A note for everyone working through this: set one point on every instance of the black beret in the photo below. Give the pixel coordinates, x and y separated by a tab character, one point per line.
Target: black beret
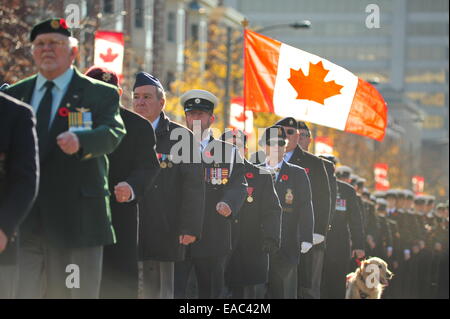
288	121
275	132
401	193
302	126
54	25
144	78
103	74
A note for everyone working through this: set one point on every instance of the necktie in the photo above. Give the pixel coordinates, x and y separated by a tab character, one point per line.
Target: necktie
43	116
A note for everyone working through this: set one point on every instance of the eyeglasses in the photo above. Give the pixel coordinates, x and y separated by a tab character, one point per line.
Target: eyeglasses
305	135
52	44
290	131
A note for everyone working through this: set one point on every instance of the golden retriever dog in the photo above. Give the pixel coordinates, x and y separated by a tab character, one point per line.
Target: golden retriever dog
369	279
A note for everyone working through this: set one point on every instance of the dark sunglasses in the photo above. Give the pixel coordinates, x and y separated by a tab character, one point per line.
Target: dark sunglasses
276	143
290	131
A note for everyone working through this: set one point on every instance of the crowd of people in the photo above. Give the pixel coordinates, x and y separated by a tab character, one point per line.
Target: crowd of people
144	207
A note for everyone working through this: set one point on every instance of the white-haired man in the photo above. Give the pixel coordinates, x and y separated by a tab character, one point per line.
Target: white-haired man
77	124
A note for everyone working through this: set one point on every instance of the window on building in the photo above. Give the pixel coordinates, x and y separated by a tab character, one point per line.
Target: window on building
421	76
171	26
433	122
194	32
428	99
108	6
139	14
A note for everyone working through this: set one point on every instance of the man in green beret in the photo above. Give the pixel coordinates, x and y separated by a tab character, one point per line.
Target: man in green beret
77	124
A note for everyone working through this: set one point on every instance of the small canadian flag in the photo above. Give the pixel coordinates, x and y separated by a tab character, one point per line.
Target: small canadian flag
287	81
238	118
109	50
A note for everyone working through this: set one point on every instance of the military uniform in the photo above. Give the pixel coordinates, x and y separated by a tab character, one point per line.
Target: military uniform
19	171
72	213
346	228
258	232
223	173
134	162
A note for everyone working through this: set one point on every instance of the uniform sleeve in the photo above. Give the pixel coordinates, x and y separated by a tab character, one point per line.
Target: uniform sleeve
306	223
193	199
145	161
108	128
320	190
234	192
271	214
355	221
24	166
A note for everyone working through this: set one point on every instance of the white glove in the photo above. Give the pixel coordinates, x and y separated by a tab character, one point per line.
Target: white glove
318	238
306	247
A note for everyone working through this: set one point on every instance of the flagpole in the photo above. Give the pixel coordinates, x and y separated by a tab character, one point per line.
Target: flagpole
244	25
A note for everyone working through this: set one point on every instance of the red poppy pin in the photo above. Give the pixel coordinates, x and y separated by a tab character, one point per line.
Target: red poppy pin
284	177
307	170
63	112
63	24
208	154
249	175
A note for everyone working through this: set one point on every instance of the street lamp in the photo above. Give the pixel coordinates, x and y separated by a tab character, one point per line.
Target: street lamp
305	24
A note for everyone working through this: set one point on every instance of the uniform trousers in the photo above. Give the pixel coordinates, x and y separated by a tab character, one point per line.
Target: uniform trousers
158	279
47	271
210	272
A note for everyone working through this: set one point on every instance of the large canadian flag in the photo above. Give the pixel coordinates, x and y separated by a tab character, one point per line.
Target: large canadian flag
287	81
109	50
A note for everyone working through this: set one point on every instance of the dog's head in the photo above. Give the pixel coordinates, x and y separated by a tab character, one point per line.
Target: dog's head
378	265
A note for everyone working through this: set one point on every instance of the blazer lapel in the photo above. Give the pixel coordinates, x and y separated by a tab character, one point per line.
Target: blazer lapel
71	101
27	93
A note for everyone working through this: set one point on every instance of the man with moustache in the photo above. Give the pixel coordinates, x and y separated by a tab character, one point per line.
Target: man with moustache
77	124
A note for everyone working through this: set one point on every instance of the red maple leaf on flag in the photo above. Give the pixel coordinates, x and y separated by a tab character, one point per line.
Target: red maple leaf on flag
241	118
109	56
313	87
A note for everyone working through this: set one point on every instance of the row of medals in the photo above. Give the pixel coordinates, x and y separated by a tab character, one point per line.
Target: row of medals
215	180
164	165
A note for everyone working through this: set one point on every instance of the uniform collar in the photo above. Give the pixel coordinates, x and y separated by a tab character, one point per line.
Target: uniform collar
60	82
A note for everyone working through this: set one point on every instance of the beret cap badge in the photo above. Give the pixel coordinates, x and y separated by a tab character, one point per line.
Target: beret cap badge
197	101
54	24
106	77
